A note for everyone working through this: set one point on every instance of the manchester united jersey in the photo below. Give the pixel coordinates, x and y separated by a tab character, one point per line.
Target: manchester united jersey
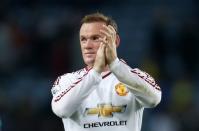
111	101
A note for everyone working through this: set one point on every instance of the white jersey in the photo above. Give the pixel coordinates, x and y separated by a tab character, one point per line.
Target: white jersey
111	101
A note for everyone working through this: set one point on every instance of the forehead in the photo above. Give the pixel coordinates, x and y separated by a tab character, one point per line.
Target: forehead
91	28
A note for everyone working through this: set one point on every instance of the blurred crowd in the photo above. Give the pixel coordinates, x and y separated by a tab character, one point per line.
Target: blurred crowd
39	41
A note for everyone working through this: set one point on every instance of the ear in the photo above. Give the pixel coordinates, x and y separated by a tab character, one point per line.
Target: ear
117	40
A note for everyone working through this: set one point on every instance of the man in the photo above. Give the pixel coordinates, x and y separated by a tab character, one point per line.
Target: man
107	95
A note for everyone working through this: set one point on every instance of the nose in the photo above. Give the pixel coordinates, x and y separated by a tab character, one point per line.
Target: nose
89	44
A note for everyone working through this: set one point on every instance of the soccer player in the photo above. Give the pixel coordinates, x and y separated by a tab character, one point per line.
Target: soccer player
106	95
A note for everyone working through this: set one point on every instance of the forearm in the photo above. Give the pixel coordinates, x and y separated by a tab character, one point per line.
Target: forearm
145	89
65	103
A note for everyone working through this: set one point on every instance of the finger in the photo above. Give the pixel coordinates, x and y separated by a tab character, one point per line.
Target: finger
99	52
103	39
104	32
108	29
102	50
112	29
107	37
110	38
102	46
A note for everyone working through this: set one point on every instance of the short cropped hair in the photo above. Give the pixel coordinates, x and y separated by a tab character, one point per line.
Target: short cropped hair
99	17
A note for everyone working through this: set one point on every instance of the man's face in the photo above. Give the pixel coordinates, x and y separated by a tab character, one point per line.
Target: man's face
90	41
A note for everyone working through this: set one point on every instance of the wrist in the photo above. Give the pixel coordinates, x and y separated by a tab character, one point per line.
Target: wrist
97	69
112	60
114	63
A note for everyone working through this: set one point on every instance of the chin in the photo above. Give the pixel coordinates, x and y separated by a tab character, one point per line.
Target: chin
89	62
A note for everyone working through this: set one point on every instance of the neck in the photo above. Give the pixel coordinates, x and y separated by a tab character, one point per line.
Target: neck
104	70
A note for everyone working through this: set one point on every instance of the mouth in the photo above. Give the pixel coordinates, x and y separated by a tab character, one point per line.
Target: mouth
89	53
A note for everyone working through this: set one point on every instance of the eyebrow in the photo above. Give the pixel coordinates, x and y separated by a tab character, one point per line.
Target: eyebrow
94	35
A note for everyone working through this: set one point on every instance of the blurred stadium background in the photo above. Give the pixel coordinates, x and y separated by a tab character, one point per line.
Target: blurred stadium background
39	41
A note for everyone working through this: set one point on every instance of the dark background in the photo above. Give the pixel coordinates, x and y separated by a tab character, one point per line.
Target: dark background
39	41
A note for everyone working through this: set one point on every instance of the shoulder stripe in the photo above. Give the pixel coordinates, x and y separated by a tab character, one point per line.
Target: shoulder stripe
123	61
106	75
57	81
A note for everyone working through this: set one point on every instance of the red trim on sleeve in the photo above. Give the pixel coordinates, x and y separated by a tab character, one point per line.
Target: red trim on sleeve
72	86
145	76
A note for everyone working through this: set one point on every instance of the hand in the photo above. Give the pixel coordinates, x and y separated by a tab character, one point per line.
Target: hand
100	63
109	39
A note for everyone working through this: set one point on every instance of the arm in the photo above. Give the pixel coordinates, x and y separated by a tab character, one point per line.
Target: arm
68	92
141	84
71	91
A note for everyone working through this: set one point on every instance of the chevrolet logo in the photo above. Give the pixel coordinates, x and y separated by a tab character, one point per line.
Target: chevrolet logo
105	110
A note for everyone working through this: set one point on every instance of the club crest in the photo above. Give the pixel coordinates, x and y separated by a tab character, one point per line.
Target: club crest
121	89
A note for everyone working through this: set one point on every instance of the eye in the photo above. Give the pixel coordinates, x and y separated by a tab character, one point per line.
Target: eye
95	38
82	39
